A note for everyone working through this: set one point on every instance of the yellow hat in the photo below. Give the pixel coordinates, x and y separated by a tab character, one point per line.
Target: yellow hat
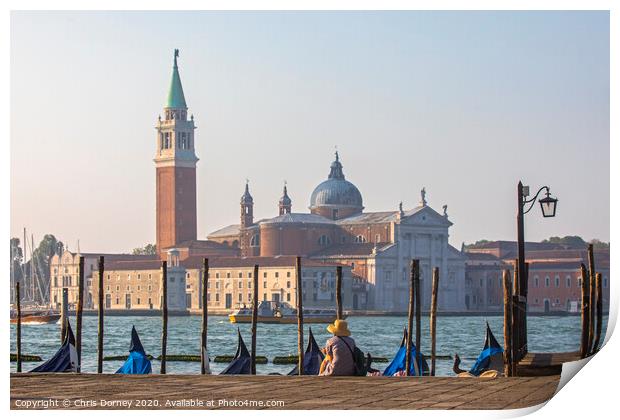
339	328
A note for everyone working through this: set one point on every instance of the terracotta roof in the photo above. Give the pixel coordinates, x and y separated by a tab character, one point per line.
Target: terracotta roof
202	244
226	262
481	256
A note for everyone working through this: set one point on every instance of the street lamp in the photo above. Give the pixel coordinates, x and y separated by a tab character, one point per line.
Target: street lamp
548	206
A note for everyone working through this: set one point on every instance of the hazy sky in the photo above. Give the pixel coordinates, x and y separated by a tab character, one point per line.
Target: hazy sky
462	103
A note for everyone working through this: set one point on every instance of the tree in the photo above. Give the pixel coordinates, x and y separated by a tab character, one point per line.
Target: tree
598	244
148	249
569	241
17	257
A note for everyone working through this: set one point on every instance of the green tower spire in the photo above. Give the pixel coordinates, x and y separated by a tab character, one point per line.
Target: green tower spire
176	99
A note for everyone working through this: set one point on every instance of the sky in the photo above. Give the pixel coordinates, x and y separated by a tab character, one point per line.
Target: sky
464	104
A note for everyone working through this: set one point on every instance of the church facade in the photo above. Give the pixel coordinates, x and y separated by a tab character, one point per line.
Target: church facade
378	246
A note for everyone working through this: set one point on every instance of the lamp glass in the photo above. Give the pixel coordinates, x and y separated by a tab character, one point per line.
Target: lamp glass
548	206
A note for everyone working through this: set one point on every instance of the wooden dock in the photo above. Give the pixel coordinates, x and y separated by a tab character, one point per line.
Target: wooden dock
86	391
542	364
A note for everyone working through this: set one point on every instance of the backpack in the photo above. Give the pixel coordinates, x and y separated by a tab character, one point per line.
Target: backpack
359	361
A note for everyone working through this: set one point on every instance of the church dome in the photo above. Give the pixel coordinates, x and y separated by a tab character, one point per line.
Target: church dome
336	191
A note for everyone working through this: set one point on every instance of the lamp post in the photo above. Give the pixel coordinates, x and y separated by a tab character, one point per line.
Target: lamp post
548	206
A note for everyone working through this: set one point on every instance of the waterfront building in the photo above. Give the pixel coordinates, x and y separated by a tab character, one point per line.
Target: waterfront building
64	273
554	281
131	285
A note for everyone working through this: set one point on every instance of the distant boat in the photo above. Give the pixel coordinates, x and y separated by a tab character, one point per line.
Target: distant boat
271	312
34	317
65	359
400	359
241	363
137	362
313	357
491	357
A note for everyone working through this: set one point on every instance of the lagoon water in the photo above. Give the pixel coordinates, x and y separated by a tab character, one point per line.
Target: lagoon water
380	336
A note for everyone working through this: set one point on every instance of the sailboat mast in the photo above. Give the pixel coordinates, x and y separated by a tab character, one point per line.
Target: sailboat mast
34	273
25	270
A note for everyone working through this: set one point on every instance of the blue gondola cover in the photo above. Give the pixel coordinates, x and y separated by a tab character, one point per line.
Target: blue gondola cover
65	359
399	361
491	355
137	362
313	357
242	363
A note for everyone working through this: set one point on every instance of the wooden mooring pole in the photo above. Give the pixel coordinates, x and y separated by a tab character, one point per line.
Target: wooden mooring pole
514	320
507	324
433	319
410	317
592	301
599	312
339	292
585	322
64	314
100	320
300	318
18	329
78	314
418	326
164	315
204	361
254	318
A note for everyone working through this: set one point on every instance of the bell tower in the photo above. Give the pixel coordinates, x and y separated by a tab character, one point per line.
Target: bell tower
247	207
175	166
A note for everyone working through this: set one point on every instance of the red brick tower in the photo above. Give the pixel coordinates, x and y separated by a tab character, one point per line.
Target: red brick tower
175	164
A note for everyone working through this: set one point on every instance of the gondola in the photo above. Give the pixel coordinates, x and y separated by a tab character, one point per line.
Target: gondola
491	357
137	362
313	357
241	363
65	359
399	361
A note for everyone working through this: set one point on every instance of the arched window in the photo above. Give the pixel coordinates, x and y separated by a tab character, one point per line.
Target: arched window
255	240
547	281
360	239
536	281
557	281
324	240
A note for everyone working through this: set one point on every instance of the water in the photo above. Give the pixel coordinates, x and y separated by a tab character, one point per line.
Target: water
380	336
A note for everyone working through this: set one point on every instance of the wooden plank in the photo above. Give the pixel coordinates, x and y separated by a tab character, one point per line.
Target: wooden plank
18	331
164	315
78	314
433	318
254	319
585	311
205	318
410	317
339	292
300	318
592	296
507	324
100	318
599	312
